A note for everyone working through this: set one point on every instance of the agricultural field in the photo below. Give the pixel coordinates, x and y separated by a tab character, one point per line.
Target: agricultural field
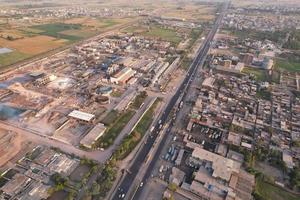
192	12
155	32
29	41
96	23
34	45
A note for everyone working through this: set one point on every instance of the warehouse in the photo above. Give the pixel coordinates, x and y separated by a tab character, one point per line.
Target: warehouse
123	76
93	135
82	115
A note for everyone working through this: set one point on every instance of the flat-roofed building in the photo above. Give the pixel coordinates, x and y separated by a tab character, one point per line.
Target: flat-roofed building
38	191
63	165
222	167
93	135
81	115
15	185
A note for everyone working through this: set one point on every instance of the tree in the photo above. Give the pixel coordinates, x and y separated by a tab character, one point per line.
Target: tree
295	178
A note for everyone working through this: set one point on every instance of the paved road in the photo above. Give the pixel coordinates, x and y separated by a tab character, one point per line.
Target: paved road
128	181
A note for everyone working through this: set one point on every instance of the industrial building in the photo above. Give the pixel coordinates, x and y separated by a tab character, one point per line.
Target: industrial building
123	76
93	135
82	116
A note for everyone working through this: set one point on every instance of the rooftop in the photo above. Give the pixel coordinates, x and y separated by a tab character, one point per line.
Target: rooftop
81	115
93	135
223	167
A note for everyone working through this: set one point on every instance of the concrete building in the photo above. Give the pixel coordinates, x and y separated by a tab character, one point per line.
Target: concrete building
93	135
222	167
15	185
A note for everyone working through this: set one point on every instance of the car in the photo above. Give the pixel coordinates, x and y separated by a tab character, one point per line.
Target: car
141	185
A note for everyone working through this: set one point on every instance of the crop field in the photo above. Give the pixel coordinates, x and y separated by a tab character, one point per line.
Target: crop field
33	45
190	12
79	33
155	32
96	23
9	58
27	41
56	29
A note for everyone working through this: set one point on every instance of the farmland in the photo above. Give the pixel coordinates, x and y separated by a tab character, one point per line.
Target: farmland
31	40
155	31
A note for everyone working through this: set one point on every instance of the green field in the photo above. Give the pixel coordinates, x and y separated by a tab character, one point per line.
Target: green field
285	65
267	191
156	32
260	75
8	58
56	29
108	23
164	34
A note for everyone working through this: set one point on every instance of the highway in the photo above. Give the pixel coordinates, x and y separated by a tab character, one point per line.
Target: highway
127	182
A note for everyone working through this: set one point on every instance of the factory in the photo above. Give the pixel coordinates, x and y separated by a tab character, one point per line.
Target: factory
123	76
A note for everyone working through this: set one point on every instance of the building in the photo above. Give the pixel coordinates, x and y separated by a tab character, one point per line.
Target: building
82	115
63	164
93	135
15	185
177	176
38	191
247	58
123	76
222	167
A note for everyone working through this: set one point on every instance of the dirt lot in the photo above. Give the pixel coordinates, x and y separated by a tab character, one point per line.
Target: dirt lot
33	45
10	145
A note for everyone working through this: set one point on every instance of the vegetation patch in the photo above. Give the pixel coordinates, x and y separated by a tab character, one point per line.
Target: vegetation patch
114	130
111	117
264	94
163	33
139	100
130	142
258	74
55	29
10	58
287	65
265	190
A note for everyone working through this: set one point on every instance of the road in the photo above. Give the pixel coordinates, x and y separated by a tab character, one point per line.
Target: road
128	181
100	156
